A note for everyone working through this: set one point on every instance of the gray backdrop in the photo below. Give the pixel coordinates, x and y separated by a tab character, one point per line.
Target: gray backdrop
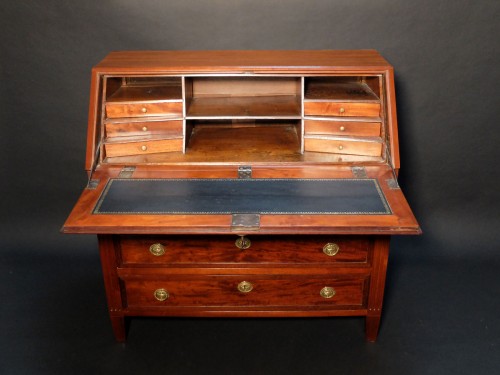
445	55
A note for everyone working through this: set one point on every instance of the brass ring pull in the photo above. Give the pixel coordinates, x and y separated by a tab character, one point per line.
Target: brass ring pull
243	243
327	292
161	294
245	287
157	249
331	249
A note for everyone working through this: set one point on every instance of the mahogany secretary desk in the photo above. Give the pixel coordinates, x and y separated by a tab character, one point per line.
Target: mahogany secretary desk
243	183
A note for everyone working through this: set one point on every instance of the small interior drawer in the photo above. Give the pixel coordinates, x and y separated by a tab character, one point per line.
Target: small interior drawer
141	147
348	109
245	290
118	110
338	145
179	250
144	128
343	128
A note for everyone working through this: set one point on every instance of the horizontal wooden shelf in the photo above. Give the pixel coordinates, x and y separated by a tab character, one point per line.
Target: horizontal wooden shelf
338	89
142	93
279	106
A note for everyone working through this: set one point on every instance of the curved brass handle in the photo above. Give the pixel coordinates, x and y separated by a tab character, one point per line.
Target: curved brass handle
245	287
331	249
327	292
161	294
243	243
157	249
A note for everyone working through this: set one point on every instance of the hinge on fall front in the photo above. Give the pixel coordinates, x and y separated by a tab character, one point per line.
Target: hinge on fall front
126	172
245	171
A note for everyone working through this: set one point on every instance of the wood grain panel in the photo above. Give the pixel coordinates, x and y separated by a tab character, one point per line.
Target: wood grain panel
354	128
343	146
267	291
143	147
189	250
348	109
173	109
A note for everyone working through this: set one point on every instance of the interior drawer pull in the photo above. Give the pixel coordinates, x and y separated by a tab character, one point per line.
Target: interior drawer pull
327	292
331	249
161	294
157	249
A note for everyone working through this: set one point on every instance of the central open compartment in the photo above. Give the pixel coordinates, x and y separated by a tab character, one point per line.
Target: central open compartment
243	139
243	97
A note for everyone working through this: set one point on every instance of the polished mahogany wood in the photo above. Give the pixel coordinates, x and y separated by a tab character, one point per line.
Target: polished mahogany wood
206	114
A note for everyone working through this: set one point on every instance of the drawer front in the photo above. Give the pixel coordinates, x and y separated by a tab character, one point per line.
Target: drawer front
327	108
145	128
341	146
245	290
178	250
353	128
173	109
143	147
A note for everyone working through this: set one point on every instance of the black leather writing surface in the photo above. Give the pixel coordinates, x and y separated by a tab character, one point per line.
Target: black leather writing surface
243	196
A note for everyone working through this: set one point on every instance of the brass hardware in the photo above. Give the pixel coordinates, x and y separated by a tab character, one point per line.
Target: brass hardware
144	109
342	110
243	243
359	172
245	222
245	171
342	128
161	294
157	249
245	287
144	128
144	148
327	292
126	172
341	147
331	249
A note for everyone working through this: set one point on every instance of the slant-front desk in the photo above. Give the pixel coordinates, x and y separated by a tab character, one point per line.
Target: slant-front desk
243	183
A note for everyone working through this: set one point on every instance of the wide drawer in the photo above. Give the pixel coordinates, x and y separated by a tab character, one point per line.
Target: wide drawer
143	147
245	290
334	108
207	250
117	110
343	146
144	128
352	128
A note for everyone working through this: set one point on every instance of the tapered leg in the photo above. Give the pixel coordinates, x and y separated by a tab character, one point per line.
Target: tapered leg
109	264
372	325
118	324
377	285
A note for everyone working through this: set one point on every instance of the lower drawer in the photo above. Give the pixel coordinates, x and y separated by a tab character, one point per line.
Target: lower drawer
246	290
208	250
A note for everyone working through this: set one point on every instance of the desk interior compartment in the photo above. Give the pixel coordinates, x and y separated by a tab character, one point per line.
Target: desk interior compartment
243	97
